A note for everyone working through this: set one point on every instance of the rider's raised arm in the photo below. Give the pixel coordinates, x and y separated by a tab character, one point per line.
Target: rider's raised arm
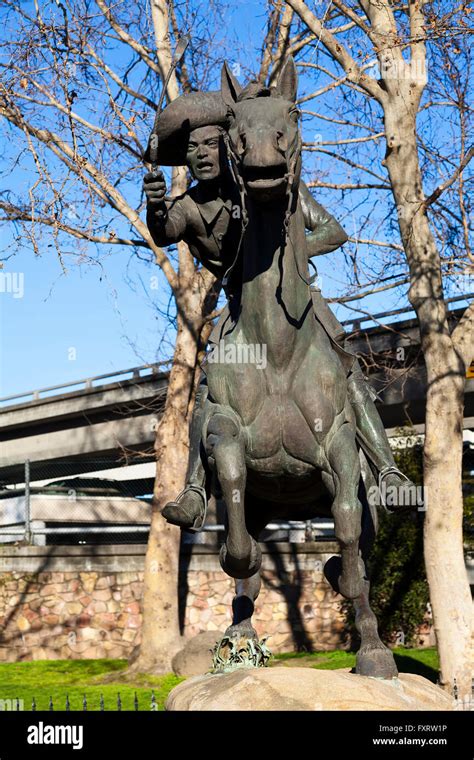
169	223
166	218
325	233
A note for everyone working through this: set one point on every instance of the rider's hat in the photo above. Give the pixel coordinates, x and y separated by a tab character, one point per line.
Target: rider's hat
182	116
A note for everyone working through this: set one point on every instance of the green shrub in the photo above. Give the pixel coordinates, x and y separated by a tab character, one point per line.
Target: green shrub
399	590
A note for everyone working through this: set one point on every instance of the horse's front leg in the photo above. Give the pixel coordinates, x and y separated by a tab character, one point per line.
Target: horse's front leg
240	556
347	509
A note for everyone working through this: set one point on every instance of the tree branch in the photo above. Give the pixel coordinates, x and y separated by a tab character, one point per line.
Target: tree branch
337	51
118	81
463	336
347	185
357	20
347	141
67	111
439	190
379	243
16	214
359	296
269	42
348	161
161	26
128	39
100	185
417	34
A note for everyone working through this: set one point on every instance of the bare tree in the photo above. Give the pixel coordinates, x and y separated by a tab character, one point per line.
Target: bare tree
352	35
77	90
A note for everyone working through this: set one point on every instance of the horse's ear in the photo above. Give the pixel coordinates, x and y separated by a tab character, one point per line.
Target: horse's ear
287	85
230	88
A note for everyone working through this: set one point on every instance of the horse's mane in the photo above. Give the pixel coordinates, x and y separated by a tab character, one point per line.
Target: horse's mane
254	90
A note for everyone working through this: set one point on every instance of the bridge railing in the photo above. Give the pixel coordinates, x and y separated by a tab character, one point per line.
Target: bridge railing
19	532
137	373
362	317
87	383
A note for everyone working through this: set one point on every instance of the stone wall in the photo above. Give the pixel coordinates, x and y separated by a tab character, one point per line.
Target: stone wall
59	602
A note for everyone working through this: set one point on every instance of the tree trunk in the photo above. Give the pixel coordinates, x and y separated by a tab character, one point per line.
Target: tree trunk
444	557
161	637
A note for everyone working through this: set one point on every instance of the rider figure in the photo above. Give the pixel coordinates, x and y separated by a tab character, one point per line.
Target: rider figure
208	218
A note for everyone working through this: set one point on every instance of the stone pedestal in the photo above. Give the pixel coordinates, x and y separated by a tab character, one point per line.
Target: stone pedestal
280	688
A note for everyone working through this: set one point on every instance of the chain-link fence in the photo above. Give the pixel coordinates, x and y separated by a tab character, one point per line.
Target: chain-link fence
71	502
105	502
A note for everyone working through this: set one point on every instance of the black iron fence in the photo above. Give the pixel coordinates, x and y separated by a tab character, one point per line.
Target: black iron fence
151	705
139	703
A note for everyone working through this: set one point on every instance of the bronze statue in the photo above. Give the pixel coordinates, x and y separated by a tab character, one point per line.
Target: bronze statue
280	440
191	131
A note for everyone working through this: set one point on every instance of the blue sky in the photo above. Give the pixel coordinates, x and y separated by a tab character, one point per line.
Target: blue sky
86	321
95	319
68	326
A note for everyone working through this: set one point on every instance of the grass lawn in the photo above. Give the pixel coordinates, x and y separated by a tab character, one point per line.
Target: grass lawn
45	679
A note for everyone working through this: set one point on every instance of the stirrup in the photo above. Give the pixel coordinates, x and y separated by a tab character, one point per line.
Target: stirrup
389	470
200	519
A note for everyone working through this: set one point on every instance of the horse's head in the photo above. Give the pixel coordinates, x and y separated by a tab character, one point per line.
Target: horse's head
264	133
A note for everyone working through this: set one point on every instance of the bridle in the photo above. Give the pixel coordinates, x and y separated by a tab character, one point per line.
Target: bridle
292	161
238	179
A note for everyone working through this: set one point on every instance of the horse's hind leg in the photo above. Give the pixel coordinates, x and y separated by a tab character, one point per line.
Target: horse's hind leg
240	555
347	509
373	658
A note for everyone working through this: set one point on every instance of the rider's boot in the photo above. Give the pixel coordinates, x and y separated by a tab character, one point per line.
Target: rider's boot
397	492
189	509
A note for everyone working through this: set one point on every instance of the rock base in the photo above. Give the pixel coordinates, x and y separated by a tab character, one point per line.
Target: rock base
306	689
196	657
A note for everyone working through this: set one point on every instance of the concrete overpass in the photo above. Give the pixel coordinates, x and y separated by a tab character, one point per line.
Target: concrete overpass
391	357
106	421
99	424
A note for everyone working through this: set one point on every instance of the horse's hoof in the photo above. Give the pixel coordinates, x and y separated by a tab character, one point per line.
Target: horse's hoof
351	587
376	662
243	567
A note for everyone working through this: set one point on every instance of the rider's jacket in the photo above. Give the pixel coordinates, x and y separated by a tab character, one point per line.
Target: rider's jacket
208	218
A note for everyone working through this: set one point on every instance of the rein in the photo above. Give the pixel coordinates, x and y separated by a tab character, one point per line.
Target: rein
290	194
233	162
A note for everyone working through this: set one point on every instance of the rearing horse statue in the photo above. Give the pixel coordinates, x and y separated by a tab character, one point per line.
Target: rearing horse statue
281	438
